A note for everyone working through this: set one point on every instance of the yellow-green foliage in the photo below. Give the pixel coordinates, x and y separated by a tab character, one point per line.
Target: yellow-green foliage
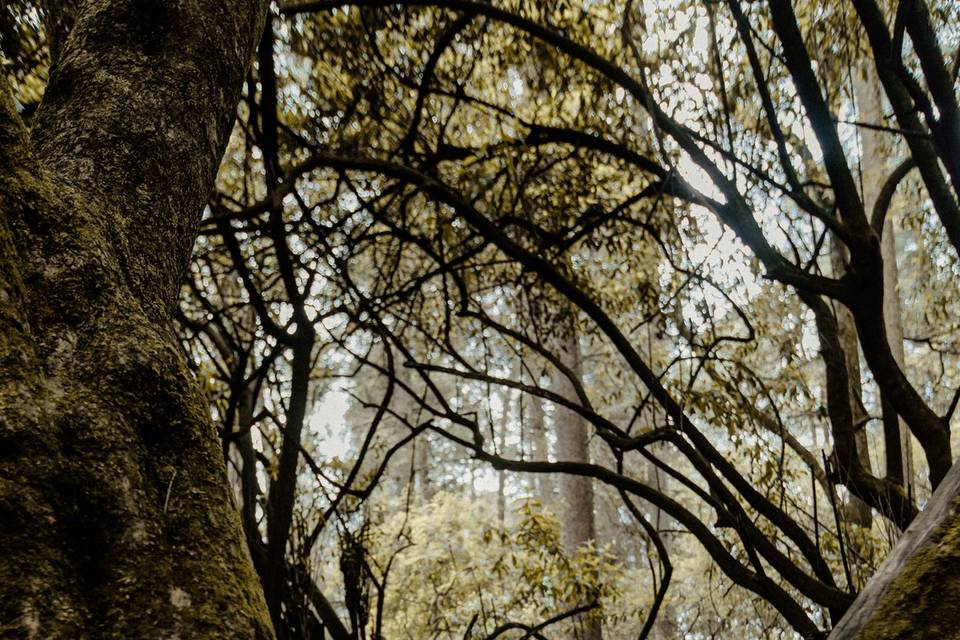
453	561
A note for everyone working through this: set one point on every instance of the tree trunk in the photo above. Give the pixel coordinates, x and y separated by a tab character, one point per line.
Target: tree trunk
867	91
540	450
502	475
665	626
896	434
423	459
856	510
916	591
116	517
281	499
573	445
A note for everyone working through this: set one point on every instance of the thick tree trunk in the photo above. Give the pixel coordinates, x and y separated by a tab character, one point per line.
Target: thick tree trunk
576	492
116	519
916	591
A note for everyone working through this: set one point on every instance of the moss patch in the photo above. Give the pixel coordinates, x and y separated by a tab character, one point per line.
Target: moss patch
924	600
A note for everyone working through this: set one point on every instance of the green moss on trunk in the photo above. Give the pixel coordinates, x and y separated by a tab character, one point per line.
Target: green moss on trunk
924	600
116	519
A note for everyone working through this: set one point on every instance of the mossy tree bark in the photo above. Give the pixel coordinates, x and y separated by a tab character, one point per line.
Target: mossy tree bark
915	593
116	519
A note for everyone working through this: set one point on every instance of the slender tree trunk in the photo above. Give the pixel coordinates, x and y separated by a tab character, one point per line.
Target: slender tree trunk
896	434
403	466
540	450
665	626
857	511
116	519
249	482
282	496
502	477
573	445
874	169
425	485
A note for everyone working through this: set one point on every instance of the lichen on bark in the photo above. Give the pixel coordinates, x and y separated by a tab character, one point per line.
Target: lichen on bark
115	515
924	600
915	593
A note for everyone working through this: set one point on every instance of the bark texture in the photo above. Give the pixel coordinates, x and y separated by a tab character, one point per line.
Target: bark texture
116	519
916	591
